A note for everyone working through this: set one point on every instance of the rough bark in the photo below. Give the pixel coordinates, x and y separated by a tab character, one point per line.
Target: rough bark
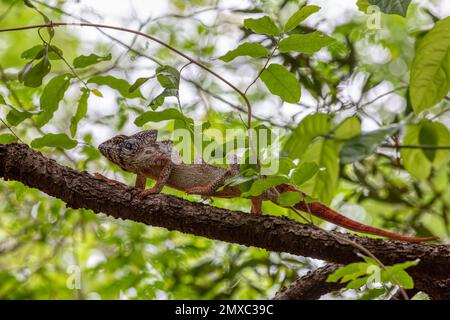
83	190
311	286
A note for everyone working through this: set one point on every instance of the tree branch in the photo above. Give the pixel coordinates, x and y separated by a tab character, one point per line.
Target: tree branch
311	286
83	190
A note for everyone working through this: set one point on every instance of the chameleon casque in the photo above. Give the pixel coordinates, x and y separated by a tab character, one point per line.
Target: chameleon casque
143	155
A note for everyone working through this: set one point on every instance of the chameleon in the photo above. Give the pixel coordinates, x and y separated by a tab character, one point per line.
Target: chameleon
143	155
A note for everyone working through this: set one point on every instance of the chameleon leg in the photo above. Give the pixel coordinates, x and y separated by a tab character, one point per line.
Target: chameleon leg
209	189
256	205
162	179
140	182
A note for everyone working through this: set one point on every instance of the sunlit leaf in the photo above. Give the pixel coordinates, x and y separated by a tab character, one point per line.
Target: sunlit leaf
7	138
120	85
420	296
348	128
310	127
299	16
85	61
425	133
305	43
157	116
263	25
281	82
304	172
261	185
322	185
80	113
349	272
54	140
51	97
289	199
430	70
168	77
138	83
254	50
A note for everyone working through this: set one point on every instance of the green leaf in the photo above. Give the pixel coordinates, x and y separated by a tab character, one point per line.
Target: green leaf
35	52
55	53
54	140
372	294
263	25
397	274
442	156
157	116
97	93
418	162
285	166
14	117
81	111
281	82
254	50
168	77
305	43
2	100
428	136
261	185
323	184
299	17
33	74
420	296
413	157
357	283
159	99
304	172
289	199
349	272
348	128
362	146
363	5
51	97
404	279
6	138
85	61
399	7
120	85
138	83
430	70
310	127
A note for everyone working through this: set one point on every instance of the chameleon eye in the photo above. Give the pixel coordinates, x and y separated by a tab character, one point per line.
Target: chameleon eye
128	146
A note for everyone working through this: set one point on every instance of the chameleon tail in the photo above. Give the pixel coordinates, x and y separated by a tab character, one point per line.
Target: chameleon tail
320	210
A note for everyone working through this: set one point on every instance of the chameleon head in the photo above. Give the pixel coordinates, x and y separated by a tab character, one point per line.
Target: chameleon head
123	150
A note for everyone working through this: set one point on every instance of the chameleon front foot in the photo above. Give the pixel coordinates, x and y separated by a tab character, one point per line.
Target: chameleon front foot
147	192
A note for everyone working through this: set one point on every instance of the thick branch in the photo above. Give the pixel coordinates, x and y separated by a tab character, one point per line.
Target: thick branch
82	190
311	286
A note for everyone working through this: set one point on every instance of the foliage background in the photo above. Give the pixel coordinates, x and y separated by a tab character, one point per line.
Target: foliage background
46	248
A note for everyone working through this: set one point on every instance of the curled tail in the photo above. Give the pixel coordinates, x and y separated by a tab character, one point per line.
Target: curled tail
322	211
